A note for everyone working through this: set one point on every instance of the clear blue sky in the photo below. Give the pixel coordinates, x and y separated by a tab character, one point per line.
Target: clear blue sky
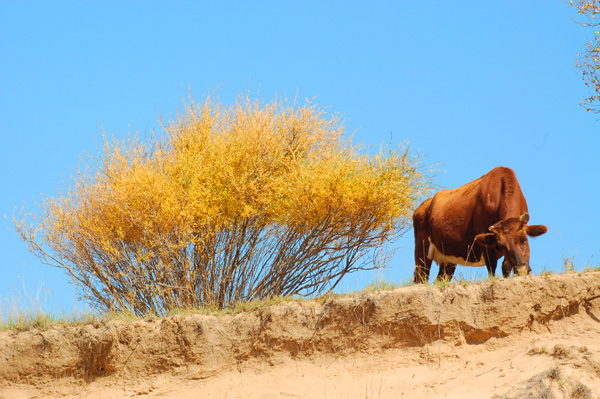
471	84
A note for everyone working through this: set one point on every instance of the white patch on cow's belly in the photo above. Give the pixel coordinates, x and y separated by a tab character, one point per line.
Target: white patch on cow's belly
438	257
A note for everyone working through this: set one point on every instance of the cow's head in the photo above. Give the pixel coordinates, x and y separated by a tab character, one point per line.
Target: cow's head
509	237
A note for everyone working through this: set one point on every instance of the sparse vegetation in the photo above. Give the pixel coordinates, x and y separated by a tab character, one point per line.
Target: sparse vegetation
538	351
550	384
569	264
588	62
560	352
442	283
234	204
580	391
21	315
21	319
461	280
26	311
554	373
546	272
382	285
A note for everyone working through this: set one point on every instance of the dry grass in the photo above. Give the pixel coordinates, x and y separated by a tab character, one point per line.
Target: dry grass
26	310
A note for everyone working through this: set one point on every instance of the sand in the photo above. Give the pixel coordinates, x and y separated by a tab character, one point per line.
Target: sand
523	337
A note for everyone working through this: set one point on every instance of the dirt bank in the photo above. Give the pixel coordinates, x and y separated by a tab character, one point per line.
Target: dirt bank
505	338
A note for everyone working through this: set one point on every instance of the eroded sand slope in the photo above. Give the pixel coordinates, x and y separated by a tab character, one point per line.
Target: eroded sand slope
515	338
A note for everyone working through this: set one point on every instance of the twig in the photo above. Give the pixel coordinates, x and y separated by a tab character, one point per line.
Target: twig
493	368
139	341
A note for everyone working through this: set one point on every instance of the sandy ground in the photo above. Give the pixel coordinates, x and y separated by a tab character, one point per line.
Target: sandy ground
532	337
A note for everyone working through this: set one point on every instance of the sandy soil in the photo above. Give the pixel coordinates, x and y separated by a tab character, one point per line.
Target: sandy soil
526	337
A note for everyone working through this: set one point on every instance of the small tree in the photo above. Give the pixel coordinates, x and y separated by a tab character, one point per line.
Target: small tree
231	204
589	61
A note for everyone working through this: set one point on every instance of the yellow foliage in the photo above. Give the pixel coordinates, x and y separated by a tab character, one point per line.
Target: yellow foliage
232	202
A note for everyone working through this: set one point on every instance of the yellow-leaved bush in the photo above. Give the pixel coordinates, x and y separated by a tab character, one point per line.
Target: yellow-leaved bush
231	203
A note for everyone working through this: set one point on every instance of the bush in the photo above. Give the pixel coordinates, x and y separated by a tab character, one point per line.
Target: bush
231	203
588	61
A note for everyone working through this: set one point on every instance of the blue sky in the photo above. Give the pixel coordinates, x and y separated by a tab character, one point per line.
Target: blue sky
471	85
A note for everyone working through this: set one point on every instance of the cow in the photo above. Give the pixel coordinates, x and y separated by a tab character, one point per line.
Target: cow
475	225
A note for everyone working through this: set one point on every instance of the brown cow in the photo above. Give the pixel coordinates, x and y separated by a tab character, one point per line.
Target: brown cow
475	225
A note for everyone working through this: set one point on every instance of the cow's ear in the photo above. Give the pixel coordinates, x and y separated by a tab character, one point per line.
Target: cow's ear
486	239
536	230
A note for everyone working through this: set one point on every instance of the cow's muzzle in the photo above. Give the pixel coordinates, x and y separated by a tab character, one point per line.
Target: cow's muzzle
522	270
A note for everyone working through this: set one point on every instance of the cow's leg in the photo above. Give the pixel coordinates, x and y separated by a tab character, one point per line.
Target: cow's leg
422	263
446	271
506	269
491	262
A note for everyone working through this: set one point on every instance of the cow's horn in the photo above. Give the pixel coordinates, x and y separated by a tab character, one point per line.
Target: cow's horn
524	218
